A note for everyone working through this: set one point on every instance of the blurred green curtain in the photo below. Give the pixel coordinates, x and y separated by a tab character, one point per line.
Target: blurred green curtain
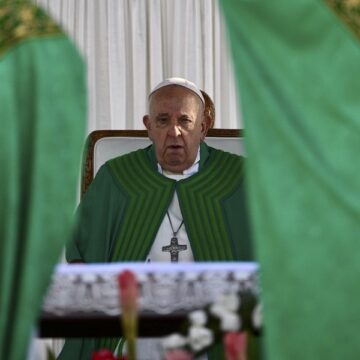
43	113
297	66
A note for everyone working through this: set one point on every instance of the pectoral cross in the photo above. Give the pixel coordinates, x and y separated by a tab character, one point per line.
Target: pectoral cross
174	248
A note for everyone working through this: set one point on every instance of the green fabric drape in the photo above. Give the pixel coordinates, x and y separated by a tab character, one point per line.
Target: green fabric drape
296	66
42	112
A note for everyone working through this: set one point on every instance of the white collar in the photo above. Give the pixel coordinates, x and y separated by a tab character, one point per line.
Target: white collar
193	169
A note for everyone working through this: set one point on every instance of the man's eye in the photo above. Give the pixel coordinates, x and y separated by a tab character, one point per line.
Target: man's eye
185	121
161	121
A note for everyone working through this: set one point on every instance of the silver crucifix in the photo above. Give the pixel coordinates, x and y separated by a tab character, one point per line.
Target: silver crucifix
174	248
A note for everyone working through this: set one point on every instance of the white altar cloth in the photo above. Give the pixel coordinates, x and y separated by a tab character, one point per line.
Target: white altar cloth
163	288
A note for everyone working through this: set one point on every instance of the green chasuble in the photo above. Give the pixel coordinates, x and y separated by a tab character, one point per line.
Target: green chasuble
121	212
43	114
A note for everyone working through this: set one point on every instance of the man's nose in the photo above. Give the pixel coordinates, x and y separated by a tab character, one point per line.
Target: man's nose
174	130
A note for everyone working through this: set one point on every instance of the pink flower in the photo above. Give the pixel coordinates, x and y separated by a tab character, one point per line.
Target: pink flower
178	355
103	354
235	345
128	299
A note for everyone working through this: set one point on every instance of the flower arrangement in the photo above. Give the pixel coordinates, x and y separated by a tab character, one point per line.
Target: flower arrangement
226	320
229	319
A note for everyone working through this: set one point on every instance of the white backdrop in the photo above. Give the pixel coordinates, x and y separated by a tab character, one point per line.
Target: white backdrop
131	45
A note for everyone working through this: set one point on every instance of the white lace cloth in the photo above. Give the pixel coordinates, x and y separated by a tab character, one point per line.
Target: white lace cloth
164	288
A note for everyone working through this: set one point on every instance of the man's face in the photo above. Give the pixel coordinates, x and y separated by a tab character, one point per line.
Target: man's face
176	126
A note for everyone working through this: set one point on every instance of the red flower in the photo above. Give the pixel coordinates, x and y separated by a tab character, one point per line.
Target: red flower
128	291
128	299
178	355
235	345
103	354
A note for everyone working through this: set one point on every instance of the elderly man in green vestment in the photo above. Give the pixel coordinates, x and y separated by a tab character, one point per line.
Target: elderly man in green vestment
176	200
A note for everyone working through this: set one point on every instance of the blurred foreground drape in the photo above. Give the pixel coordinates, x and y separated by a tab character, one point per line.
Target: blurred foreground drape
42	112
297	66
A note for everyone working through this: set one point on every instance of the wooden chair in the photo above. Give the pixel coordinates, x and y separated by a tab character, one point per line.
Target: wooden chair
102	145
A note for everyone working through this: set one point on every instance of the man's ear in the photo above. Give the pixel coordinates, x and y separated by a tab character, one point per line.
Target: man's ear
206	123
147	123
